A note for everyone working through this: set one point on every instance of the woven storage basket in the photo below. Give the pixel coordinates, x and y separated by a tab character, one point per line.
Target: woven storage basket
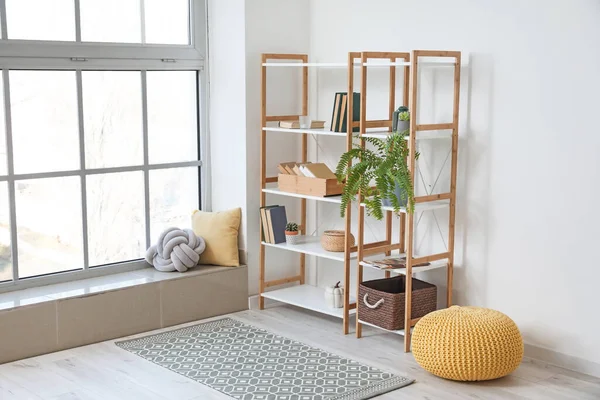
335	241
381	302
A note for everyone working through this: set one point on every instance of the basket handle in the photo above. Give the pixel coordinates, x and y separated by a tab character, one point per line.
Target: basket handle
366	301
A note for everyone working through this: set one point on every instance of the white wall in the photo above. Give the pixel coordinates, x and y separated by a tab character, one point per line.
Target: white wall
527	222
272	26
239	32
227	104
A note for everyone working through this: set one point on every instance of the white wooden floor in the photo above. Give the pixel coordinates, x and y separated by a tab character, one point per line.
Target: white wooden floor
103	371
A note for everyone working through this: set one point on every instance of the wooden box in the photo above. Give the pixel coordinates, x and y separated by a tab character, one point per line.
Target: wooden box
309	186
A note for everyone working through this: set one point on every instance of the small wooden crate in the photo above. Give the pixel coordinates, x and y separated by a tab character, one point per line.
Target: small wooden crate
309	186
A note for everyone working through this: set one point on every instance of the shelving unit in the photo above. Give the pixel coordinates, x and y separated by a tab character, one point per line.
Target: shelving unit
309	297
305	295
405	243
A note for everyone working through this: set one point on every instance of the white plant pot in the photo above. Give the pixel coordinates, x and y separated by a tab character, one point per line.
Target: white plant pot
292	239
334	298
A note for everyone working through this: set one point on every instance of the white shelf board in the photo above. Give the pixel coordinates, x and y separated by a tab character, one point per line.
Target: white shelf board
306	296
432	63
310	245
329	199
420	207
402	271
310	64
302	130
425	135
398	332
374	132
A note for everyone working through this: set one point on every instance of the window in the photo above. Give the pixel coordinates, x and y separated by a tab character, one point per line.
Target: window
102	110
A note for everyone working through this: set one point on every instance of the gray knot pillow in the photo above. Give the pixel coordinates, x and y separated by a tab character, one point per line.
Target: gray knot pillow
176	249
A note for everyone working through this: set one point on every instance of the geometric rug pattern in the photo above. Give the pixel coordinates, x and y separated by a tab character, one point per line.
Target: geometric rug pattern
248	363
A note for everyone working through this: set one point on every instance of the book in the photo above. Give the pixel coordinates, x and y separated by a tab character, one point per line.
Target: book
269	227
277	219
264	223
343	113
289	124
393	263
336	111
317	124
355	113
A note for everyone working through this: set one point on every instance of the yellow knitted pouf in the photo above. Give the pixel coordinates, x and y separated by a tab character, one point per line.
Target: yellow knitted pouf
467	344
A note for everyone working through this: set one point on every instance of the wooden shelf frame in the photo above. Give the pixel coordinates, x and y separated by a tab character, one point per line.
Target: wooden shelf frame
360	60
406	239
349	254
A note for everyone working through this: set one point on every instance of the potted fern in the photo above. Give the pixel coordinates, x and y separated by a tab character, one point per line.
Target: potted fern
385	165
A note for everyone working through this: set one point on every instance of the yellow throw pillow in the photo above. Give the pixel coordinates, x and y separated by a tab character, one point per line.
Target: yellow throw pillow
220	232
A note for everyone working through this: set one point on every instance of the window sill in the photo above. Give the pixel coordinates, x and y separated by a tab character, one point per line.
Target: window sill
92	286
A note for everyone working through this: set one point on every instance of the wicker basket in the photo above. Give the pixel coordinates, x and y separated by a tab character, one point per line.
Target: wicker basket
335	241
381	302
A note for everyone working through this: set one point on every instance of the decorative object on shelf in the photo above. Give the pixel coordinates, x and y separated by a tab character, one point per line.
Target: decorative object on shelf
393	263
220	232
176	250
335	240
386	164
291	233
467	344
403	123
339	116
382	302
334	296
304	121
400	119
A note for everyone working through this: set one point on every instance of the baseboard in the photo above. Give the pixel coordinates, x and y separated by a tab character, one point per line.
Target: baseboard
562	360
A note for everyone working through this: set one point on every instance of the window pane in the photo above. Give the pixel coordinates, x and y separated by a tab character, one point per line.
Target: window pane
49	225
116	223
172	116
114	21
3	166
5	250
112	109
167	22
44	121
40	19
174	195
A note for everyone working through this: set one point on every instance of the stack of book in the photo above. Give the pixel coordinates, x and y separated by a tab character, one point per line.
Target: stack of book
339	116
273	221
393	263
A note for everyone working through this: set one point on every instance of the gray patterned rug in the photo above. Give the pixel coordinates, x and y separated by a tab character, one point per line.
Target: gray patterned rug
249	363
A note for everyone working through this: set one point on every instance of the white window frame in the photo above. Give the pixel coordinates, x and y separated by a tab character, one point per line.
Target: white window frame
83	56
